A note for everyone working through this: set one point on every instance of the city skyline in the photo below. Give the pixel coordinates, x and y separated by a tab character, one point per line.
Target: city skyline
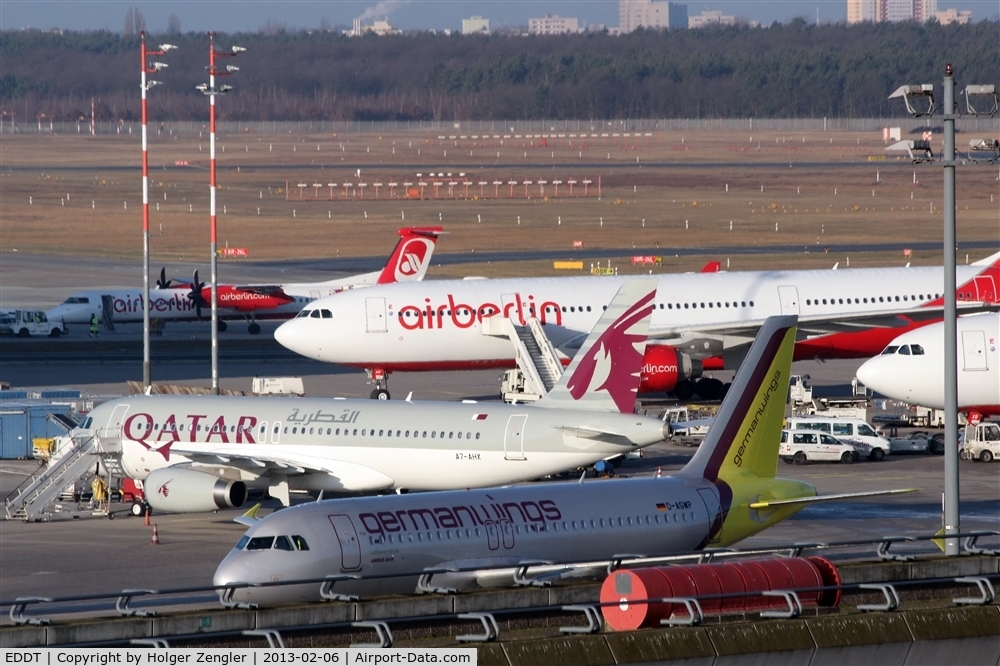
252	16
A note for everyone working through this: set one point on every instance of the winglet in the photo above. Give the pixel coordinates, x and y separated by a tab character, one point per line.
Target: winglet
604	374
250	517
412	256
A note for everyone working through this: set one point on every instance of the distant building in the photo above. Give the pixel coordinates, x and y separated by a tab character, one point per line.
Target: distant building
476	25
654	14
953	16
380	28
707	18
879	11
553	25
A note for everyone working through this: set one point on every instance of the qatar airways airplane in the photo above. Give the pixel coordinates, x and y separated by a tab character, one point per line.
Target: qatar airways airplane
462	539
199	453
911	368
184	301
698	318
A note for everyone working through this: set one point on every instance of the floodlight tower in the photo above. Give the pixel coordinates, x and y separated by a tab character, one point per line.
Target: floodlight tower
211	91
146	67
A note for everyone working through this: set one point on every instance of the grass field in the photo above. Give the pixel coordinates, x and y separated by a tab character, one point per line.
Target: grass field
68	195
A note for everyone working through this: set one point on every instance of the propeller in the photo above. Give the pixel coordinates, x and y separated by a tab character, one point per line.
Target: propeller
163	282
195	295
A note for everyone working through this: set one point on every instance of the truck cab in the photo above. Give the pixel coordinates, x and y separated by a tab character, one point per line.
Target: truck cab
982	442
25	323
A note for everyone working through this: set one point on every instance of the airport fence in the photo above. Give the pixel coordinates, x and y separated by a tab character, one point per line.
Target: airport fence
276	127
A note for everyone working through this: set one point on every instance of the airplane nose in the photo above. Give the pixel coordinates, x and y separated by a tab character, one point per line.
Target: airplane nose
290	336
233	569
870	373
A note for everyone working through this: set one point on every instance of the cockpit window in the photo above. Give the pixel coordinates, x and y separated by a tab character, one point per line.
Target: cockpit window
905	350
327	314
242	543
300	543
303	313
916	350
283	543
891	349
315	314
76	300
260	543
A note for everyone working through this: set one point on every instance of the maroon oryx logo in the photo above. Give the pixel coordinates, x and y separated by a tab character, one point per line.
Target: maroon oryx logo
613	363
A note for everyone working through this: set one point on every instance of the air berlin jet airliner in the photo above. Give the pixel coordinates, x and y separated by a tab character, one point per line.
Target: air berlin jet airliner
185	301
698	317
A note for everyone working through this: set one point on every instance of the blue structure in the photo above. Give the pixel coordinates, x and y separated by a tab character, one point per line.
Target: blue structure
22	421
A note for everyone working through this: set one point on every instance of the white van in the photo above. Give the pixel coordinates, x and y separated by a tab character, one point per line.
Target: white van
799	446
859	433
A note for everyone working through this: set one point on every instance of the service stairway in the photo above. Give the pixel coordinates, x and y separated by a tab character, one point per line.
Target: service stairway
537	360
36	498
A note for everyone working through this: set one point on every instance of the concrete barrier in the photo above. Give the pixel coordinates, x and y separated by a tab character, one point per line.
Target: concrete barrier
859	629
577	651
491	654
955	622
754	637
660	644
386	609
19	637
202	623
500	599
574	594
94	632
299	616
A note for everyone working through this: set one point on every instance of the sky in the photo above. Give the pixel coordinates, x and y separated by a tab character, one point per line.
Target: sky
251	15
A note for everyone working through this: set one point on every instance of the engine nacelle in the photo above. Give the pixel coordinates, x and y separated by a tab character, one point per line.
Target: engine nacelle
185	490
663	366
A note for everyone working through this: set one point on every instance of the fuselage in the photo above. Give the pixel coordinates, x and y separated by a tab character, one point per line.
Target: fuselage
437	324
364	445
911	368
499	527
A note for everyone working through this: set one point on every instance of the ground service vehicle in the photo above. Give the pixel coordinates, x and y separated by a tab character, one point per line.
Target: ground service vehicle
24	323
801	446
982	442
918	441
867	442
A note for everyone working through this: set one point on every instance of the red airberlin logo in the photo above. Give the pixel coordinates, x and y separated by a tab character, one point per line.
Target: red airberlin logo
412	258
613	362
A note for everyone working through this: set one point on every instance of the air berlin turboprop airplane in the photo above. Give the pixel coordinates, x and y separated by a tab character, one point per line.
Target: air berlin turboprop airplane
198	453
698	317
911	368
185	301
468	538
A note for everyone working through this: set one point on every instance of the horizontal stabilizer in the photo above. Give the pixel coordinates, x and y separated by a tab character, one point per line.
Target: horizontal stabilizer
608	436
765	504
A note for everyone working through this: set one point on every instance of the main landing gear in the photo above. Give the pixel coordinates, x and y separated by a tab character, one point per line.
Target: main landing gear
253	328
379	378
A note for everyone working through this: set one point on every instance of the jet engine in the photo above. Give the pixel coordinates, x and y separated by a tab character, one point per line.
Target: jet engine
185	490
663	367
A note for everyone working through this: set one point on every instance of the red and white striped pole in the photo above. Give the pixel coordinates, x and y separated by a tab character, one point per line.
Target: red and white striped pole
213	71
147	68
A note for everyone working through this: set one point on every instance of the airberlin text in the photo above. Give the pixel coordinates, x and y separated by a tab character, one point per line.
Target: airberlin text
441	517
463	315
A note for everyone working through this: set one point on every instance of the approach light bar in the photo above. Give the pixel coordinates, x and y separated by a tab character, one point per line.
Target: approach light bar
988	90
910	91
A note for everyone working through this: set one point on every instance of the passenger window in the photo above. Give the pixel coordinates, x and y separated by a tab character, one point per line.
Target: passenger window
842	429
283	543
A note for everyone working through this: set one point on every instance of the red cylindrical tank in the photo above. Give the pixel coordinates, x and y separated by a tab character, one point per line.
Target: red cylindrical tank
622	588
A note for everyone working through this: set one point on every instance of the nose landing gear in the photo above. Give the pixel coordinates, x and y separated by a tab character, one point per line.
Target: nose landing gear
379	378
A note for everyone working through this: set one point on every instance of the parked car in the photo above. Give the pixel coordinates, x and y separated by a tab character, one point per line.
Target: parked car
869	443
800	446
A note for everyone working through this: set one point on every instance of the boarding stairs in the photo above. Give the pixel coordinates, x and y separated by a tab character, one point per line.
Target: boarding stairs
537	360
36	498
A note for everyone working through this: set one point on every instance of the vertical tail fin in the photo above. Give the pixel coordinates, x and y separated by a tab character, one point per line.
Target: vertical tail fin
744	438
604	374
412	256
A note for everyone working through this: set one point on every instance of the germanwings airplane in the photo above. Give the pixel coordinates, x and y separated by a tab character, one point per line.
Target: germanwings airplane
911	368
199	453
397	544
698	318
184	301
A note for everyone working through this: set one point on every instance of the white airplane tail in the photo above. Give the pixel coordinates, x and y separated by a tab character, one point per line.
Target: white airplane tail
412	256
604	374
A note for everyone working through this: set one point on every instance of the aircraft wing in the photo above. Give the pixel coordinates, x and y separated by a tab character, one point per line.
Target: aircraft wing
718	337
766	504
261	461
609	436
